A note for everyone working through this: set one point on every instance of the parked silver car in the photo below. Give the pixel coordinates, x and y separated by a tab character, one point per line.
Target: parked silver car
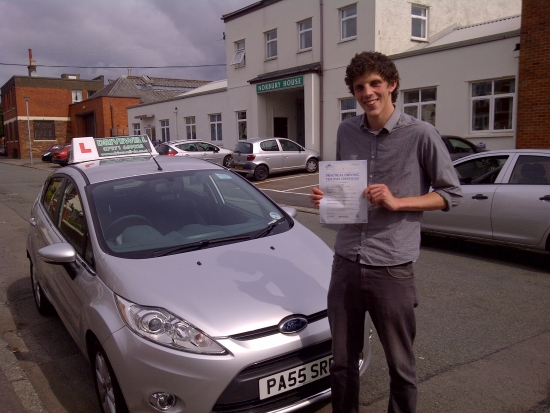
196	149
261	157
186	287
506	200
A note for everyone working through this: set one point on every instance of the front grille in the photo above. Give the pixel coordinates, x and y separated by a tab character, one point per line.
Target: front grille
267	331
243	395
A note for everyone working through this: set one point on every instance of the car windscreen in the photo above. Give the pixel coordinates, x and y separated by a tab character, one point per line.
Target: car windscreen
243	147
175	212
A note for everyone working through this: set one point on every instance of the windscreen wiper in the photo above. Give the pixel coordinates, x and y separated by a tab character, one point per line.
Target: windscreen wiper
269	228
198	245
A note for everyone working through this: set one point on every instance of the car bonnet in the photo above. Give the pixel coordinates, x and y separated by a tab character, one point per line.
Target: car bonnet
233	288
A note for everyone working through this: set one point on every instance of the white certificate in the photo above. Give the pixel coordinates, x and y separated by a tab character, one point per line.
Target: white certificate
343	183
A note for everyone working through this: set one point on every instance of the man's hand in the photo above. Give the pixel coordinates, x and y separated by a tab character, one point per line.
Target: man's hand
380	195
315	197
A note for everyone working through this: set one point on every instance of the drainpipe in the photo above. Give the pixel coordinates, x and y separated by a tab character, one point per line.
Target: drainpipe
112	120
321	108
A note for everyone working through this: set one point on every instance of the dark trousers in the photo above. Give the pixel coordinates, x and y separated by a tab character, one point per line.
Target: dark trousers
389	295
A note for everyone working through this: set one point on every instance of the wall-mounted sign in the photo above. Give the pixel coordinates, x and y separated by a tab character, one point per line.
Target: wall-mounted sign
280	84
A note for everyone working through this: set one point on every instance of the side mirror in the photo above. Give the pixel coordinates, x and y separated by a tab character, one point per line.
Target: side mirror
61	254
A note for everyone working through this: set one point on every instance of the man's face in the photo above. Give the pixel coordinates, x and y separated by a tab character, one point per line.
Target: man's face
374	96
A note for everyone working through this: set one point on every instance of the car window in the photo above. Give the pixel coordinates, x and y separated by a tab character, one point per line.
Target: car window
73	222
531	170
188	147
206	147
51	197
483	170
138	216
270	146
289	145
243	147
460	146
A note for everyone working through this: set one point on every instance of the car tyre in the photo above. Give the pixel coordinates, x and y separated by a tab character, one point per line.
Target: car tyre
227	161
260	173
312	165
43	305
107	389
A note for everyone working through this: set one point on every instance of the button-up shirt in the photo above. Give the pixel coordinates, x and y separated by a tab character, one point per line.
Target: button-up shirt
408	156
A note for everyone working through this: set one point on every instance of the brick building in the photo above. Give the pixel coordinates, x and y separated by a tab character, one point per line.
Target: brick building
48	101
533	115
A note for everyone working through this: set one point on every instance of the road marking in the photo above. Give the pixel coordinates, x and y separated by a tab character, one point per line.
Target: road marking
302	187
283	192
283	179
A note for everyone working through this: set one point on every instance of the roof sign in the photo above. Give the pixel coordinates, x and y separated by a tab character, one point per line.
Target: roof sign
89	149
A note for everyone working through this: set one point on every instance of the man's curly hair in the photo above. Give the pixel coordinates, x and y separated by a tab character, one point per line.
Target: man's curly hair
372	62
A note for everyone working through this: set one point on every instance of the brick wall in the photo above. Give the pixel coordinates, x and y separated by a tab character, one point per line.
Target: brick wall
533	118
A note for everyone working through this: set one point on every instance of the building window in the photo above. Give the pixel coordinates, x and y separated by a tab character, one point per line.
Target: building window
137	129
492	104
348	108
305	34
348	18
190	128
165	130
77	95
216	127
419	24
44	130
241	125
271	44
239	59
420	103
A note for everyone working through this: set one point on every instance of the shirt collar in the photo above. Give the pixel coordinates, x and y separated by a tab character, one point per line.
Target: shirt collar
390	124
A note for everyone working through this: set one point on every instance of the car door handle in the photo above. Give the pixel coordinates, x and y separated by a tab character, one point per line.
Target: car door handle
480	196
33	221
545	198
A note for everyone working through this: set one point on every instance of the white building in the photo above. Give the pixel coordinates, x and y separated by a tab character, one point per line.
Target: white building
286	62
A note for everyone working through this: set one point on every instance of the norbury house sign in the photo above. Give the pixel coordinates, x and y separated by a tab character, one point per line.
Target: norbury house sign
280	84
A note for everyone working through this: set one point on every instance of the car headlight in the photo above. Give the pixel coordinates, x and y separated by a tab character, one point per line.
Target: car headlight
161	327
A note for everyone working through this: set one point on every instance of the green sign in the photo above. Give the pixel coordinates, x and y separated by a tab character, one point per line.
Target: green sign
280	84
122	145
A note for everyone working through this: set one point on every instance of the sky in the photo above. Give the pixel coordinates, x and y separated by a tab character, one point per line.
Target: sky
115	33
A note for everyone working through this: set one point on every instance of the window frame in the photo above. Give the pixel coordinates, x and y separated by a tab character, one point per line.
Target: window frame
165	130
241	130
423	19
215	127
420	104
76	95
239	58
305	32
137	130
269	42
39	128
190	127
345	113
491	98
343	22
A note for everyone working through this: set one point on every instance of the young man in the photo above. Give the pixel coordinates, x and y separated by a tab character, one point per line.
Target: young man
372	268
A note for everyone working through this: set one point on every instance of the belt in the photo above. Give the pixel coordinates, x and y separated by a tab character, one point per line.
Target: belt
358	260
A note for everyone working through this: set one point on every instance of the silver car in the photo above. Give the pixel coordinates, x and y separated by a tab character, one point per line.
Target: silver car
506	200
185	286
261	157
196	149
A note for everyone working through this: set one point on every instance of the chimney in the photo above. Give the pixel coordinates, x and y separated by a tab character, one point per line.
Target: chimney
31	66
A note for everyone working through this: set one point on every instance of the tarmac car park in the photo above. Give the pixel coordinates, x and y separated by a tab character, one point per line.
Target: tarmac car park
185	286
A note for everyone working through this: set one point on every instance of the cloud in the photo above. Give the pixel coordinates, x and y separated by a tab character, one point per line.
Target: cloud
115	33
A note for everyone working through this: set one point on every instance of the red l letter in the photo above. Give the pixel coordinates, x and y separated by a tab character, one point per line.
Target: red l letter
83	149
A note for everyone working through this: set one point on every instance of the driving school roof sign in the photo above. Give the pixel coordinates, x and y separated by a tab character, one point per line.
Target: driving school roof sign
88	149
280	84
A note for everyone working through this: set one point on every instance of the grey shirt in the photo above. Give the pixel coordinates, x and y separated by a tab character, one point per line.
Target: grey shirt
409	156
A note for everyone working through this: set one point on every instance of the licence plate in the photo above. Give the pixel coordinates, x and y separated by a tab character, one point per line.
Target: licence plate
238	167
293	378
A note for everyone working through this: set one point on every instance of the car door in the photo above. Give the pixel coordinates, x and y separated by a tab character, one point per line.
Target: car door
294	157
190	149
271	154
479	179
521	206
210	152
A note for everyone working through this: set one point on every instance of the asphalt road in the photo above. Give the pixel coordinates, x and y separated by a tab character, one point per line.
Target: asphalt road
483	342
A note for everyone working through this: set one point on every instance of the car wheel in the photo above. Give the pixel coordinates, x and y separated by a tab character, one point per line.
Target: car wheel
312	165
42	303
106	384
260	173
227	161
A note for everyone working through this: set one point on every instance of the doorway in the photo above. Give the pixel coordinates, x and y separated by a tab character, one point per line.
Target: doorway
280	127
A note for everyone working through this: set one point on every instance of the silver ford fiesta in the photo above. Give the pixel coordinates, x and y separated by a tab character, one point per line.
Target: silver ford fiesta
186	288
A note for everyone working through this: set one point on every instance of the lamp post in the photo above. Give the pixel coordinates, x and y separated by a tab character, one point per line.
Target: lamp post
28	124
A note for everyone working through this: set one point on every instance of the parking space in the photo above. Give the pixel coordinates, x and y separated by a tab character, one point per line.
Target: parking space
291	189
